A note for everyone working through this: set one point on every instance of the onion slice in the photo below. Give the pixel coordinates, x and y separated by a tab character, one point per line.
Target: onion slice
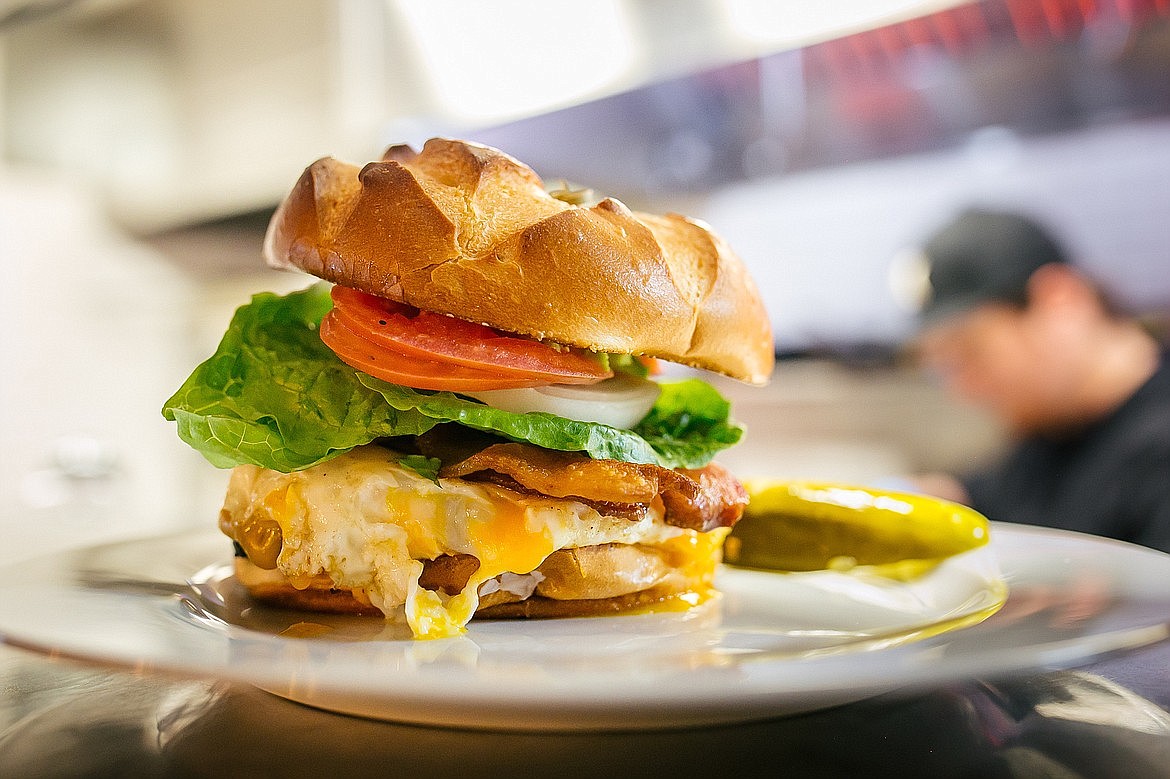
619	402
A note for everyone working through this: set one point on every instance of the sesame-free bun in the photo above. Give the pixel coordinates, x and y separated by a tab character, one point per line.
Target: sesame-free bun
465	230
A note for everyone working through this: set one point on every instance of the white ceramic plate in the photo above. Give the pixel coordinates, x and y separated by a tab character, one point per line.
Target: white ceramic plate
772	645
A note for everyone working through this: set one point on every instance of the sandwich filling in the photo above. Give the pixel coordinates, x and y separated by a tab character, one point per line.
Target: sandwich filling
377	528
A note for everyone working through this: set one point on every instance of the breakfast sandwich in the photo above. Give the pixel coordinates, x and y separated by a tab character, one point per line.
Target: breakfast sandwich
461	419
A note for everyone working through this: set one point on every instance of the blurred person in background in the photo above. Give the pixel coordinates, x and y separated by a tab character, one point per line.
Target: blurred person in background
1084	391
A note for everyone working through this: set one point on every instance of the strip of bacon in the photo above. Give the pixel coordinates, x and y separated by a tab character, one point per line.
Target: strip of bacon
702	499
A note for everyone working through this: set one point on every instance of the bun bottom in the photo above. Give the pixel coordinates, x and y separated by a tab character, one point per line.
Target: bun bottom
626	588
273	589
540	607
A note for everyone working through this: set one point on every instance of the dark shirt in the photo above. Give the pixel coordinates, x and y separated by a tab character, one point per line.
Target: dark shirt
1110	479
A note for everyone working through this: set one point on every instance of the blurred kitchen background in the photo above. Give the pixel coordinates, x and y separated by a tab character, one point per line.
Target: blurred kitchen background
145	143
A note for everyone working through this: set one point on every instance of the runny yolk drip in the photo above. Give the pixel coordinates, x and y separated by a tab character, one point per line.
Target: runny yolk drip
502	542
258	531
697	555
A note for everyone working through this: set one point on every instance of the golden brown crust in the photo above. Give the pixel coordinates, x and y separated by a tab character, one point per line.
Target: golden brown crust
468	231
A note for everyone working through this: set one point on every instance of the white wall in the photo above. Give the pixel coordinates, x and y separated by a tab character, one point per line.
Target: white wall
87	357
821	244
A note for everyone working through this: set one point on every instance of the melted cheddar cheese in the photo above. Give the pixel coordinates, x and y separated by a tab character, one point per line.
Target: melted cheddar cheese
367	523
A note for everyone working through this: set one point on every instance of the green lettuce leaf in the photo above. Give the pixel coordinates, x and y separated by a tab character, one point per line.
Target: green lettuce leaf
689	423
275	396
427	467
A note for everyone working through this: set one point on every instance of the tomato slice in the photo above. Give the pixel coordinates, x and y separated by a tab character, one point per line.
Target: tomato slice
400	344
652	364
429	345
408	370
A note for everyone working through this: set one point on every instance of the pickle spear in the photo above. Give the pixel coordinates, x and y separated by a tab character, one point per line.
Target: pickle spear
810	526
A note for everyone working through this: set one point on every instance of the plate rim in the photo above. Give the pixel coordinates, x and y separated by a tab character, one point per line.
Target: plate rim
602	710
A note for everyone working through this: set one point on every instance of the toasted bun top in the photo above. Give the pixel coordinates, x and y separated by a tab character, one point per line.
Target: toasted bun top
465	230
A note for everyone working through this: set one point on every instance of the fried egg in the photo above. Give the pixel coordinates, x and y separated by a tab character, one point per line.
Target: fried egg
368	522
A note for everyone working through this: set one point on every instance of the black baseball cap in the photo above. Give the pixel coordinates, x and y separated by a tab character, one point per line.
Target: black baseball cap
984	256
